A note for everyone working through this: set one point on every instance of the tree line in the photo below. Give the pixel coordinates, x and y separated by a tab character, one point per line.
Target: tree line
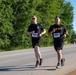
15	17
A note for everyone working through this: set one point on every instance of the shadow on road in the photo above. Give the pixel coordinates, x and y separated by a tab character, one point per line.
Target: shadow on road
27	68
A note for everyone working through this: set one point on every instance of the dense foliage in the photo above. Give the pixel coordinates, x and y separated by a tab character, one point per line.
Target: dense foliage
15	17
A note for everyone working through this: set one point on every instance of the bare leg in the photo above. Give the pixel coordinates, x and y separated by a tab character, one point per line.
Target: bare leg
36	55
37	50
39	54
59	53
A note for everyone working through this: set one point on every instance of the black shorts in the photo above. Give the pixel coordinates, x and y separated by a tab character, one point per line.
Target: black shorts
58	44
36	42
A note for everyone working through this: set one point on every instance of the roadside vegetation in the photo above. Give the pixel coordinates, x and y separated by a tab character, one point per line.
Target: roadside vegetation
15	17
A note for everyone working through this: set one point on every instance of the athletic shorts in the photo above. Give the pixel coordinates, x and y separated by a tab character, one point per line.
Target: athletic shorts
58	44
36	42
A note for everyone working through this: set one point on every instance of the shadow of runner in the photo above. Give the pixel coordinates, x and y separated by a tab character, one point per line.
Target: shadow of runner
47	68
27	68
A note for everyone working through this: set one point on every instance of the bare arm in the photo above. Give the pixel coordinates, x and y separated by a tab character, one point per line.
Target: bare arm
65	34
30	33
54	29
43	32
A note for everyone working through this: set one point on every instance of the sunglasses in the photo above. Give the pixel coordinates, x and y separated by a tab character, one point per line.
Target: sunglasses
33	18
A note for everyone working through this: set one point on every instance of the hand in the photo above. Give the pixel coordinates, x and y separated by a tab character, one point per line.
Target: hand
40	35
54	29
32	32
64	35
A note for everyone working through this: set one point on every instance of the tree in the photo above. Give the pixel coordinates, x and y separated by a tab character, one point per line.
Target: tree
67	18
6	27
73	38
15	17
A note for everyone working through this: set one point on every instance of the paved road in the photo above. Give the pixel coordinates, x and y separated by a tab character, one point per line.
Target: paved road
22	62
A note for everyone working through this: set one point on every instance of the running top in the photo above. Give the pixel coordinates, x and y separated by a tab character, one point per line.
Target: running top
37	28
60	31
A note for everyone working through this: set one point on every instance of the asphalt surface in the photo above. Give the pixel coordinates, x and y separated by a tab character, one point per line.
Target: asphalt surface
22	62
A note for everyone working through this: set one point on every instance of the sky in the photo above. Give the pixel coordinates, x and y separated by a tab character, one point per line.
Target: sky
73	3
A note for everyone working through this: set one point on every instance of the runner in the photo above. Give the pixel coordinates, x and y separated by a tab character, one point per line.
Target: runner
36	31
59	33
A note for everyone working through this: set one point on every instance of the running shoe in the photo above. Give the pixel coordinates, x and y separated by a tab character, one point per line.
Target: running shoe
37	63
62	61
41	61
58	65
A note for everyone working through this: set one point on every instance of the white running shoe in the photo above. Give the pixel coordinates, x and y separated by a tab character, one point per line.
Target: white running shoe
58	65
